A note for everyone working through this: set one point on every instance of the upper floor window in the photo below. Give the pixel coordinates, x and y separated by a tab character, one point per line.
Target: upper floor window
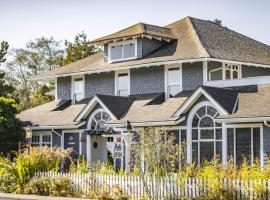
174	81
122	51
227	71
122	83
78	89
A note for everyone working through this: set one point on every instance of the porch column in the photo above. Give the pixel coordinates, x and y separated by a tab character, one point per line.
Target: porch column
88	148
224	144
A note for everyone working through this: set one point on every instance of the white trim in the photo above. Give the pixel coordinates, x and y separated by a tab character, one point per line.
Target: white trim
148	123
251	126
205	68
166	77
151	64
260	80
72	86
242	119
116	75
189	129
122	43
191	100
224	144
87	109
57	127
93	115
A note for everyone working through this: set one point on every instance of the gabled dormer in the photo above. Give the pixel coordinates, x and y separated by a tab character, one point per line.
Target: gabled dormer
134	42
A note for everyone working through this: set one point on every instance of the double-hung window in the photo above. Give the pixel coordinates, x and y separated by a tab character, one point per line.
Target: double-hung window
122	84
122	51
174	81
78	89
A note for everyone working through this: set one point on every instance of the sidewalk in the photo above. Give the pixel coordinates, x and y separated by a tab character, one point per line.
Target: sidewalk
5	196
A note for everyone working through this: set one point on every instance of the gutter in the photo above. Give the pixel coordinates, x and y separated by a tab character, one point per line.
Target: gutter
57	127
148	65
149	123
243	119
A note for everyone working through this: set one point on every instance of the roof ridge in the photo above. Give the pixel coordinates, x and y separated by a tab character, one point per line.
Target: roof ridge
224	27
198	37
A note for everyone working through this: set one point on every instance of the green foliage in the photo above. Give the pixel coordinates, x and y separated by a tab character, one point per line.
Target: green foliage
37	159
58	187
3	51
40	97
78	49
10	127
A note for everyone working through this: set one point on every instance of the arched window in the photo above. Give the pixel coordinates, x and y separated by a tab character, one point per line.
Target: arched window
98	120
206	135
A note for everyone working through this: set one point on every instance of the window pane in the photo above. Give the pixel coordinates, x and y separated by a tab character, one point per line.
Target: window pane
206	151
129	50
46	138
123	82
98	116
206	122
195	121
243	145
194	134
207	134
174	76
227	74
201	112
106	117
235	75
219	134
35	139
219	150
211	111
175	134
174	89
256	143
183	136
195	152
116	52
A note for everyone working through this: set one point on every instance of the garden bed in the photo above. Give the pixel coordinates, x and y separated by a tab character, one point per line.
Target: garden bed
6	196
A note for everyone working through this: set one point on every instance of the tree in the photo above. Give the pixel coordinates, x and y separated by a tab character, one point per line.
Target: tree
78	49
218	21
3	51
10	127
40	96
157	155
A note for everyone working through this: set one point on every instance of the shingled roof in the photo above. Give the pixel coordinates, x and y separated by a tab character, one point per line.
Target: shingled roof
137	30
194	39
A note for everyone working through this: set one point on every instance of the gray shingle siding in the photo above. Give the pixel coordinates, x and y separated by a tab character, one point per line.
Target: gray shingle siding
64	88
149	46
102	83
192	75
147	80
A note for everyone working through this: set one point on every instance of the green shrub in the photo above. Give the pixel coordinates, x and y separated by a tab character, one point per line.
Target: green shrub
44	186
8	184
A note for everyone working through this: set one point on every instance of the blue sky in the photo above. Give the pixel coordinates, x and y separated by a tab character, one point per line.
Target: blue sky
24	20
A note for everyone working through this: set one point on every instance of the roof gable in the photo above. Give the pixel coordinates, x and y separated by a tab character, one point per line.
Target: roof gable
115	106
223	99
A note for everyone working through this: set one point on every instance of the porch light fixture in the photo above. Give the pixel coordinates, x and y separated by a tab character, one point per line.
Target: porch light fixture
29	132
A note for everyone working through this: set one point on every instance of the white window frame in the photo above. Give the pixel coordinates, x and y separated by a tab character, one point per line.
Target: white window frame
72	86
251	126
223	69
166	73
122	43
93	115
117	73
40	142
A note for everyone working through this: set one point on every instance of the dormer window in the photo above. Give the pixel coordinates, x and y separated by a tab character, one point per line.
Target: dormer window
121	51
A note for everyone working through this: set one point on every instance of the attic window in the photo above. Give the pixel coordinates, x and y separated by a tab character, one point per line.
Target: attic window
122	51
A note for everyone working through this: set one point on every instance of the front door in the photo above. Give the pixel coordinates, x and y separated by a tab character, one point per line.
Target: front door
72	140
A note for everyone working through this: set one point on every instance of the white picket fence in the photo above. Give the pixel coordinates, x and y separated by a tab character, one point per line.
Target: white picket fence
168	187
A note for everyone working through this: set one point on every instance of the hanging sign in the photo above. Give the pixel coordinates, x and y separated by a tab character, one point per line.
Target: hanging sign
118	150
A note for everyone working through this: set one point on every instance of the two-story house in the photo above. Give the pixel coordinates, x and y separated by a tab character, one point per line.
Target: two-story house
205	83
